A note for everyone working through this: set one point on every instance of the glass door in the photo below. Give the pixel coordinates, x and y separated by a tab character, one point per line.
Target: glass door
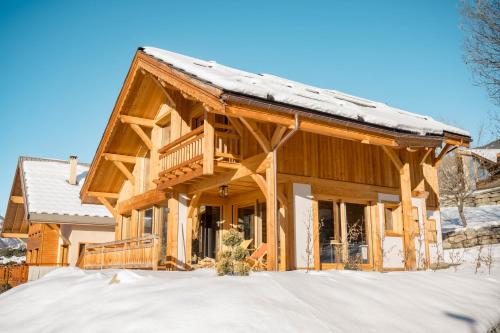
356	234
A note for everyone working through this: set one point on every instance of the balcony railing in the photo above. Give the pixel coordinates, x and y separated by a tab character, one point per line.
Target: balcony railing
186	153
139	252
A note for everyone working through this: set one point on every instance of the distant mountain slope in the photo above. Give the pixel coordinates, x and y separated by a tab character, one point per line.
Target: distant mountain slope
8	242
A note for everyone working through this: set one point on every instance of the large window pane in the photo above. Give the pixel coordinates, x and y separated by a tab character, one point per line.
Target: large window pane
329	233
356	233
246	221
148	221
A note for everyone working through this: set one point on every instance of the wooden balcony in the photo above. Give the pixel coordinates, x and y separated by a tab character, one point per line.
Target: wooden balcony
141	253
197	153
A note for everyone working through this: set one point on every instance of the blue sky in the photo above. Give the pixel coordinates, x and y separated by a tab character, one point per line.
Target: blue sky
63	62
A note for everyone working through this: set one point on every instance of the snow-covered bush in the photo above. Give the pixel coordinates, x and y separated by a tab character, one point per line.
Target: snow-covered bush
232	260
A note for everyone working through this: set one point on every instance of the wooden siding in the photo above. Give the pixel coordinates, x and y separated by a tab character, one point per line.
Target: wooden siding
43	244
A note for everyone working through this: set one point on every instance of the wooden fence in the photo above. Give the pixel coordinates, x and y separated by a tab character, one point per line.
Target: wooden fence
13	275
139	252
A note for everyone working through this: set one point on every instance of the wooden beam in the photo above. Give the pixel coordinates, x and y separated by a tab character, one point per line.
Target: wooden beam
257	133
17	199
193	204
144	137
254	164
103	194
108	205
393	157
125	171
424	158
236	124
137	121
278	134
121	158
163	89
59	232
442	154
141	201
261	182
309	125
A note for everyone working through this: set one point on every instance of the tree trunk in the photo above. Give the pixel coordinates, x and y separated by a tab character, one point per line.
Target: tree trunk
460	206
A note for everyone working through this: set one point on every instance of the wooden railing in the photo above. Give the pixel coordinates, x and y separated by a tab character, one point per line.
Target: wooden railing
13	275
187	151
227	144
182	152
139	252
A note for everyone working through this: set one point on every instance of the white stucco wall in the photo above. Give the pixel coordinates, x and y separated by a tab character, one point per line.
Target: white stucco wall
77	234
392	247
181	232
436	249
302	205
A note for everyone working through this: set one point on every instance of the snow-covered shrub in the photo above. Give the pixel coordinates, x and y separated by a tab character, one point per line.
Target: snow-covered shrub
232	260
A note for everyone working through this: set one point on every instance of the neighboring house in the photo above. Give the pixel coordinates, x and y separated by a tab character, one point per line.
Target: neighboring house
194	148
44	207
483	166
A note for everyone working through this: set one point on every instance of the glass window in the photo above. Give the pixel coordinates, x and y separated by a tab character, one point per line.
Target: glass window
246	222
330	239
148	221
356	232
164	229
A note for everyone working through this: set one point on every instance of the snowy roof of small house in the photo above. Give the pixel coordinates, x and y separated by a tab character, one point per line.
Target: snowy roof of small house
50	197
326	101
487	154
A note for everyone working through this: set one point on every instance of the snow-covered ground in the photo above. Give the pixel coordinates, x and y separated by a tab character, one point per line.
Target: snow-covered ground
329	301
477	217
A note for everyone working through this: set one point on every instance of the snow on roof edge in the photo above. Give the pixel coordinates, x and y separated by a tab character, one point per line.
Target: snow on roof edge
326	101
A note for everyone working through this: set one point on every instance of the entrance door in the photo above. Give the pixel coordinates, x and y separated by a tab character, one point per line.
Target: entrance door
208	236
246	222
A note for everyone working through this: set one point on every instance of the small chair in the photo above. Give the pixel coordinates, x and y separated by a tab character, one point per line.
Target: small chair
256	259
246	243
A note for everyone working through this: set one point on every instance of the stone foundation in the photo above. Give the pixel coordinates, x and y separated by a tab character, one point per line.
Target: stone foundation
463	238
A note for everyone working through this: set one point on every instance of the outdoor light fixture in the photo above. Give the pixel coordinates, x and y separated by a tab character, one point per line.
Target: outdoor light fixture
223	191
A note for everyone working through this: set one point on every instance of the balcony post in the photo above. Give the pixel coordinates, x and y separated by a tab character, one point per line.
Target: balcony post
208	143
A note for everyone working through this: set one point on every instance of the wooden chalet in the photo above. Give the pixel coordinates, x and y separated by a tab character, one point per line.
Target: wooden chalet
44	208
194	148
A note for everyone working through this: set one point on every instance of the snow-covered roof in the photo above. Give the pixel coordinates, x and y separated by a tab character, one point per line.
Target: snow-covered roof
48	193
277	89
487	154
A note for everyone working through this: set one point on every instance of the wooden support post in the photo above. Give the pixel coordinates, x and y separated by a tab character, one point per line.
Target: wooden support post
271	212
173	227
406	204
208	143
